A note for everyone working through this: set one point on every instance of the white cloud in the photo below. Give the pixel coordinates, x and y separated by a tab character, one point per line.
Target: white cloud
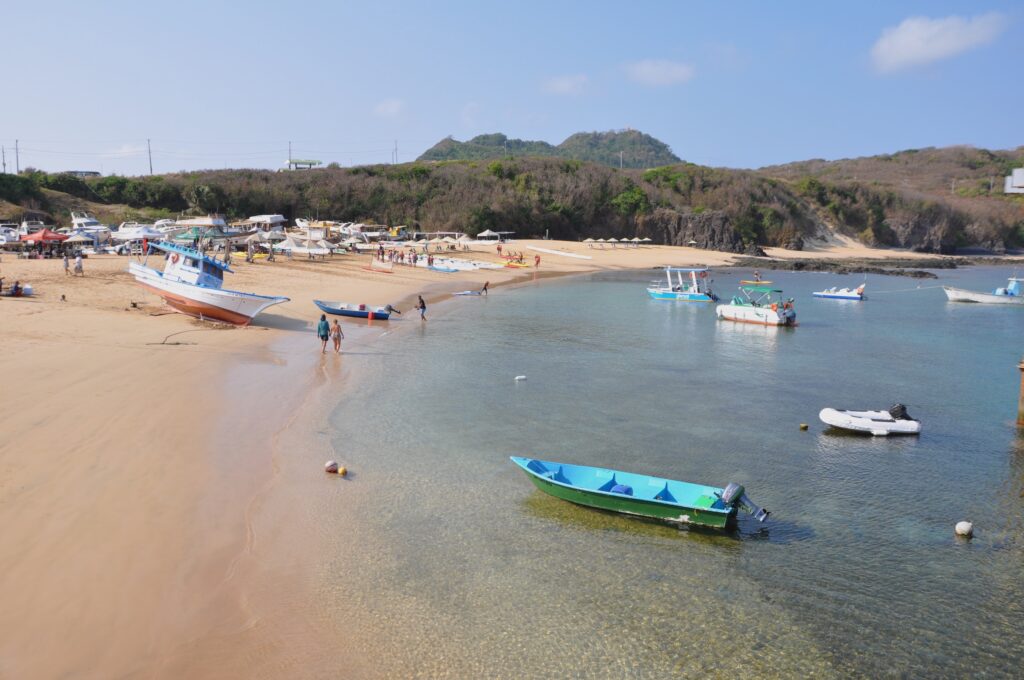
389	108
566	84
920	40
660	72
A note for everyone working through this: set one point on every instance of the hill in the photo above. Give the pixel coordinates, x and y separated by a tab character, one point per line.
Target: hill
638	150
899	203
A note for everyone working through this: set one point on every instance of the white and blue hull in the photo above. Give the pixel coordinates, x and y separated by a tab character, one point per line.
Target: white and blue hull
839	296
662	294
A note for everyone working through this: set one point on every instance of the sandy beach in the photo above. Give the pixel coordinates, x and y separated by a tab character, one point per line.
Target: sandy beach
147	531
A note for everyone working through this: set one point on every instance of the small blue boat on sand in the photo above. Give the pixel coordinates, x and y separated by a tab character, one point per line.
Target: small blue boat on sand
356	311
634	494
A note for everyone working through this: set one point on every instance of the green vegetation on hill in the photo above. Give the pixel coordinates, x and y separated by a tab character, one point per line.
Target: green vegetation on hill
638	150
881	201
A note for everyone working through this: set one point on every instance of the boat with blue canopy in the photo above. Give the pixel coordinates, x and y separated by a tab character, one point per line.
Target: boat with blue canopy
1010	295
755	305
690	284
665	500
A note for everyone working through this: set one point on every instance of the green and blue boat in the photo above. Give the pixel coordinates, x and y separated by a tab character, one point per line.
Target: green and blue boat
655	498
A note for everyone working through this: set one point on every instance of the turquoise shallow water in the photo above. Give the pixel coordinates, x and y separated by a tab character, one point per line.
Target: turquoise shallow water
451	563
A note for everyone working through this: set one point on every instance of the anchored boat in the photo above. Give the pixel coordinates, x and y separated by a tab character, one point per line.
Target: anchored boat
191	283
1011	295
691	288
634	494
879	423
842	293
755	305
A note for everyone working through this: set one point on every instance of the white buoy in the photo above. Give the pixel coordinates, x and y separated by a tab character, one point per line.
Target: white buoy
331	466
964	529
520	377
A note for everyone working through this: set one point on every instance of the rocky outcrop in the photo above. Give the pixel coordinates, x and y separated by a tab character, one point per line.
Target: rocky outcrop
931	229
710	229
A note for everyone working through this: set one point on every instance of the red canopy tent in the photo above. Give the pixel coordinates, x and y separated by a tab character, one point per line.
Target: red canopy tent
44	236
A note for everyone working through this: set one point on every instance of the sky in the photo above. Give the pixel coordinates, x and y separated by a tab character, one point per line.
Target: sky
738	84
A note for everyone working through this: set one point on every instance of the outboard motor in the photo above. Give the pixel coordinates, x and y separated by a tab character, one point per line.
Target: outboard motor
735	495
899	412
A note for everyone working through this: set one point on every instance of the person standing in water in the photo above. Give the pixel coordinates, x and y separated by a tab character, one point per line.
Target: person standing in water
323	331
484	289
422	306
337	336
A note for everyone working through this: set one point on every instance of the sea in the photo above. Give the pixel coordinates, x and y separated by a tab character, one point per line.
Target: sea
445	561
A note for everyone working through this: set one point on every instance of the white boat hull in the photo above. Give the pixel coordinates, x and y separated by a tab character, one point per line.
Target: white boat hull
878	423
203	302
961	295
764	316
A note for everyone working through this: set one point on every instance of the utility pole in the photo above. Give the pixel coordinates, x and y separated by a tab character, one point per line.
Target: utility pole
506	148
17	159
149	151
620	160
396	152
3	153
289	155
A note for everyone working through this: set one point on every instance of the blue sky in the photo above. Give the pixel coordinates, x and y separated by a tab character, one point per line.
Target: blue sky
739	84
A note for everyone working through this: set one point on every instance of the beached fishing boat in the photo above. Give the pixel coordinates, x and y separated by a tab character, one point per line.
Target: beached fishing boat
192	283
358	311
634	494
1011	295
691	288
842	293
755	305
879	423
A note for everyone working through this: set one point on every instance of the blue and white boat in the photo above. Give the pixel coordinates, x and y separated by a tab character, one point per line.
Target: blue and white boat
358	311
1011	295
193	283
667	500
842	293
693	287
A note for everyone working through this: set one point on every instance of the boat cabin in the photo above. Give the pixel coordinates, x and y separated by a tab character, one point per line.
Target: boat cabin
190	266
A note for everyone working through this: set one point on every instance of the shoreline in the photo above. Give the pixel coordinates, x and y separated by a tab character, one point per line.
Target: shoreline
142	492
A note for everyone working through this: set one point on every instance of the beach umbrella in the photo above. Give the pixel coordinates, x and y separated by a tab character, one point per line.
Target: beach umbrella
600	240
79	238
449	239
44	236
691	243
435	240
588	240
422	241
646	240
612	240
635	239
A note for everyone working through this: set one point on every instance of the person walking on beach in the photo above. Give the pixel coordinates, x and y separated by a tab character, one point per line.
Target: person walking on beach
484	289
536	260
78	265
422	306
67	265
336	335
323	331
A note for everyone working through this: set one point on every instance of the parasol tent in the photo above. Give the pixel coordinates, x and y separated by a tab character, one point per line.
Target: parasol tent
44	236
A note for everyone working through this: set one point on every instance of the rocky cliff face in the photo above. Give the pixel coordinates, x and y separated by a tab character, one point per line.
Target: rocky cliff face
711	229
933	230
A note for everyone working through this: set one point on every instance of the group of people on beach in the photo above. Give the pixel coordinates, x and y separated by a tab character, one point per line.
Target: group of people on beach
329	331
79	271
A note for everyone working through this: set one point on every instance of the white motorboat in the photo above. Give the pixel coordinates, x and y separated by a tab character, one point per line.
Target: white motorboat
842	293
303	246
880	423
85	223
1010	295
30	227
192	283
756	306
134	231
9	232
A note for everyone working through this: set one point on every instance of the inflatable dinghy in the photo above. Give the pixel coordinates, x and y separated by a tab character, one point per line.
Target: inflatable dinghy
880	423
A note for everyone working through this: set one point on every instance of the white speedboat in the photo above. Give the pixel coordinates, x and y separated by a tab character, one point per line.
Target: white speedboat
880	423
192	284
134	231
842	293
1011	295
755	305
85	223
